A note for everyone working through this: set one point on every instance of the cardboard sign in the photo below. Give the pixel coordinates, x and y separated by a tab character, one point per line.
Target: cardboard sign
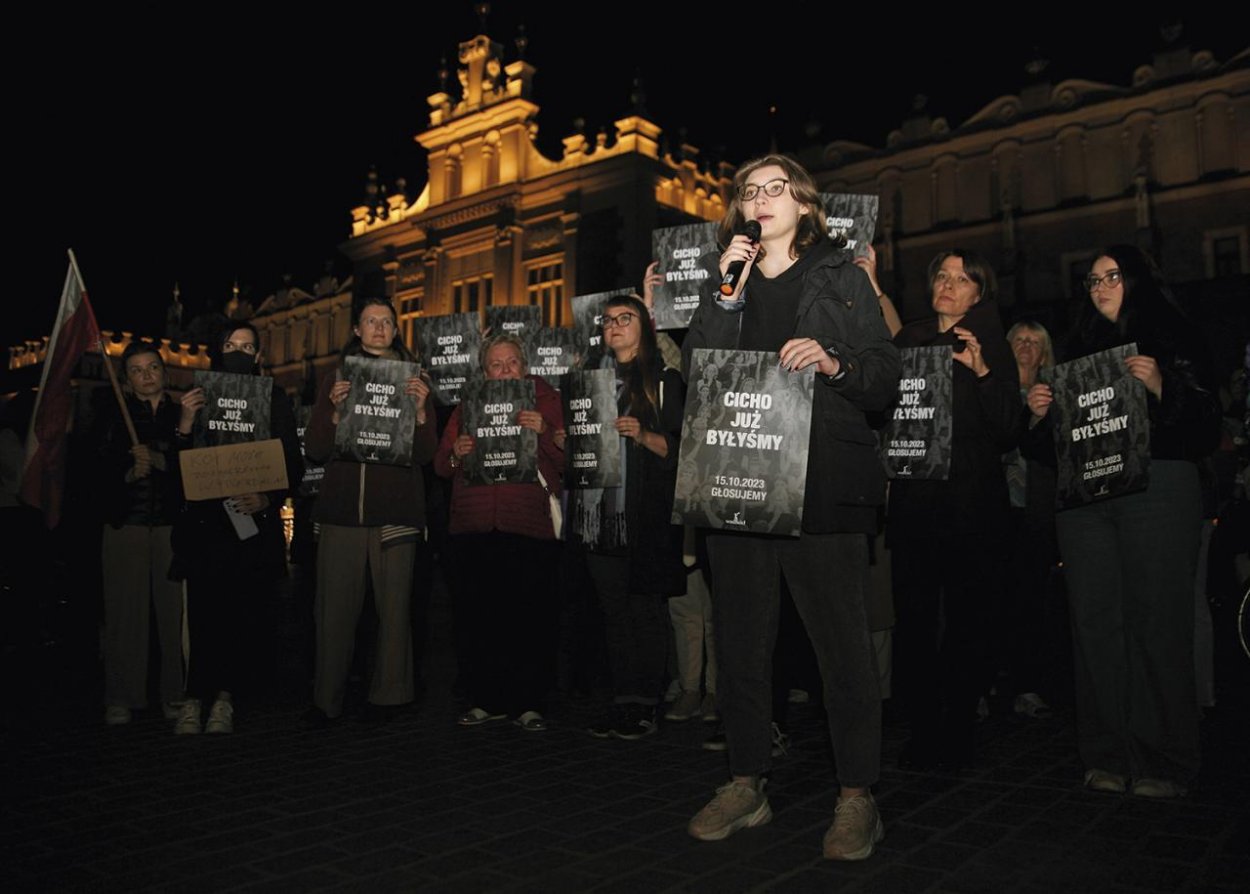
214	473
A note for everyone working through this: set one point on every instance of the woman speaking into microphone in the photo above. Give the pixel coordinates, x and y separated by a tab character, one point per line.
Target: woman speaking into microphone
801	296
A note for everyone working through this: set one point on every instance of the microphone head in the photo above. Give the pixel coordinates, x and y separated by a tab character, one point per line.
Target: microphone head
752	230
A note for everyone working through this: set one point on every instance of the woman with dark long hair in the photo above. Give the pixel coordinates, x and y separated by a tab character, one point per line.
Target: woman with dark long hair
947	537
371	518
801	296
1130	561
633	549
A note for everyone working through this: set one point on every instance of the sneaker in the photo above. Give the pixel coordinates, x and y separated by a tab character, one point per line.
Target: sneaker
607	725
708	709
639	722
684	708
1158	788
1030	704
716	741
781	742
221	717
188	718
855	831
1105	781
478	716
737	805
116	715
531	722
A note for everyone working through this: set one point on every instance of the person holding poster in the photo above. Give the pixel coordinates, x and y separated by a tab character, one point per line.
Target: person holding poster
371	518
633	551
232	554
947	536
505	549
1130	561
800	295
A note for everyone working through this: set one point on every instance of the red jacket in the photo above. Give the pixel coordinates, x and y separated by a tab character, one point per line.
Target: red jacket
512	508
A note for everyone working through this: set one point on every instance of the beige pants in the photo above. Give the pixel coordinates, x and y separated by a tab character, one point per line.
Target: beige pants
345	555
136	561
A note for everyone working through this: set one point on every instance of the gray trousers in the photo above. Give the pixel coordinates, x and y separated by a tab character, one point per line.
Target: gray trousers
344	557
136	562
828	579
1130	564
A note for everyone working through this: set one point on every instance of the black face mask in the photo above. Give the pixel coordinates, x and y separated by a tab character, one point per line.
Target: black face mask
238	362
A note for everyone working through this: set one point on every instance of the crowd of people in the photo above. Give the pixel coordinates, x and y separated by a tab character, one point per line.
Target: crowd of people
966	562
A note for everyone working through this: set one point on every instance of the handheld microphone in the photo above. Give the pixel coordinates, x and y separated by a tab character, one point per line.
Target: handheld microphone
730	282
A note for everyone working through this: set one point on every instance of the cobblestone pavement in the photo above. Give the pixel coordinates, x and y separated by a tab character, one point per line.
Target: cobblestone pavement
419	804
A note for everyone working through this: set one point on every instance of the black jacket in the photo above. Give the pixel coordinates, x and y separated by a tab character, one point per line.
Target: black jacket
987	423
156	499
838	308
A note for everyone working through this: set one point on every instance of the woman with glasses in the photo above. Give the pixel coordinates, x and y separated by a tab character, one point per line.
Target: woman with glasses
947	537
801	296
371	519
633	551
1130	561
504	547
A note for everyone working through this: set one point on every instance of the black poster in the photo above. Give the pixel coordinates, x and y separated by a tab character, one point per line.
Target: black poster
744	439
377	422
552	353
592	449
448	346
236	408
853	216
310	484
916	440
588	319
504	450
1102	428
689	261
513	319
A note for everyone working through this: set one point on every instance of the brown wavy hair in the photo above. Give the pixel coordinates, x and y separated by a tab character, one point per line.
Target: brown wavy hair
811	228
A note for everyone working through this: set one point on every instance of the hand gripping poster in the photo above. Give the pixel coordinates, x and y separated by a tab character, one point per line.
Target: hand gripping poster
744	440
513	319
551	353
377	421
504	451
592	447
689	262
448	346
852	216
588	319
916	439
236	408
1102	428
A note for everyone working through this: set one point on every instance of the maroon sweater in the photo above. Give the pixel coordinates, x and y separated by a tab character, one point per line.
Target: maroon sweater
512	508
367	494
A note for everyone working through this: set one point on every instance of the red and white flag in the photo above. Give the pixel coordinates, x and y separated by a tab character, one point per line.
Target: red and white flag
75	332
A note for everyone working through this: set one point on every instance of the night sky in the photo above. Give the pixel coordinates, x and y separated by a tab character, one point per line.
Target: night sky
165	149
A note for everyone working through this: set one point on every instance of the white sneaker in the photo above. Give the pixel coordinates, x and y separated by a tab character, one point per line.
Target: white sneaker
685	707
221	717
188	718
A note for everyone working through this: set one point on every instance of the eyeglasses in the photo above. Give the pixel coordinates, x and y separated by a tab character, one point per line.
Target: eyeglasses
1110	279
619	320
772	189
245	347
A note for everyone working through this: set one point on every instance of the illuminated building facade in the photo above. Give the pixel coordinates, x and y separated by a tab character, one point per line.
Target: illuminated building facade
1037	182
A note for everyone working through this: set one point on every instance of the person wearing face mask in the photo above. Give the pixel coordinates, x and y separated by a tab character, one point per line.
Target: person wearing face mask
230	581
504	544
372	521
801	296
947	537
1130	561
